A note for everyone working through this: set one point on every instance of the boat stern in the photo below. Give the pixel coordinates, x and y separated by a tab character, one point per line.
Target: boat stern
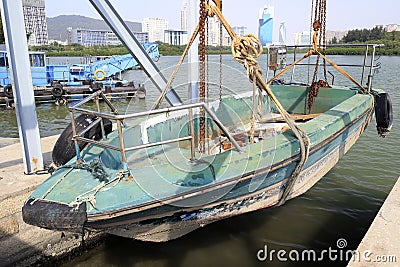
54	216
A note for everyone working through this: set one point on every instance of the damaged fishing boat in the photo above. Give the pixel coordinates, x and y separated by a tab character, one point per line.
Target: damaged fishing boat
180	168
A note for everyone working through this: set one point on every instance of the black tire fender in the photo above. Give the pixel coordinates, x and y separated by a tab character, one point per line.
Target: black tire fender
58	90
64	149
383	113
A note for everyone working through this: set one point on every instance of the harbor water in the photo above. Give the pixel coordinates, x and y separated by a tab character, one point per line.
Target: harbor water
340	207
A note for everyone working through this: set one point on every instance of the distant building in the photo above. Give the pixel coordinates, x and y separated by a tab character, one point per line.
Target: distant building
35	21
392	27
213	34
240	30
302	38
266	24
142	37
175	37
330	35
213	31
88	37
155	27
184	15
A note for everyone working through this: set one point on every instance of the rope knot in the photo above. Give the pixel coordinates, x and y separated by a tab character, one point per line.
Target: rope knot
245	50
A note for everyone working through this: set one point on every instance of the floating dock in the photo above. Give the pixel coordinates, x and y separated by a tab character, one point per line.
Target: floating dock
62	94
381	245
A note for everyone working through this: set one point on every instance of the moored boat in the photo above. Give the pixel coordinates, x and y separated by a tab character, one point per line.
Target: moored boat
180	168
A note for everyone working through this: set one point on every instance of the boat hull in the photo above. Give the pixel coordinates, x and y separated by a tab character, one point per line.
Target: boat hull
164	224
160	201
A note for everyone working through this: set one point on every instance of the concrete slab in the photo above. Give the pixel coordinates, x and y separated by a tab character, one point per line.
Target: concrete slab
381	244
7	141
13	181
22	244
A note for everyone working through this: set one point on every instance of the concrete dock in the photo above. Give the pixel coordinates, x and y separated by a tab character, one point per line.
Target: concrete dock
22	244
381	245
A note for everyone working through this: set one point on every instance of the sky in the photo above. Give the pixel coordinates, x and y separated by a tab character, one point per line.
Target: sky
341	14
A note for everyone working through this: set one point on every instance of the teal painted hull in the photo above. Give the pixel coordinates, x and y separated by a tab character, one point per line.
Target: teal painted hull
167	195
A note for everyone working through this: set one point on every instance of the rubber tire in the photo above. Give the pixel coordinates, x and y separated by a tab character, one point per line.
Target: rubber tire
64	149
383	111
8	92
58	90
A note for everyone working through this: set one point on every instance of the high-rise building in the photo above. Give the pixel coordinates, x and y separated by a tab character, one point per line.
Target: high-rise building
266	24
155	27
184	15
35	21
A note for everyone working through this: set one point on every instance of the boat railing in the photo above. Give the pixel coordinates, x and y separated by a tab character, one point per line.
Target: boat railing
368	68
123	149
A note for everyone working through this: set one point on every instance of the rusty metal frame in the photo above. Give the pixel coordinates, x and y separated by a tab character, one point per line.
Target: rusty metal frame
78	137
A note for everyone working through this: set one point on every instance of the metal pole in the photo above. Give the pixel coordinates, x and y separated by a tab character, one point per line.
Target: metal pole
21	80
371	71
222	127
103	132
122	146
193	55
193	77
112	18
294	60
74	135
364	64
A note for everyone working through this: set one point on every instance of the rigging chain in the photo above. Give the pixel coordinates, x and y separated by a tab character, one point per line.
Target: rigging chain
202	41
318	25
220	78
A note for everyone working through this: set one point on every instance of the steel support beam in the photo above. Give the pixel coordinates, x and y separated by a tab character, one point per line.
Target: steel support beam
193	55
21	80
112	18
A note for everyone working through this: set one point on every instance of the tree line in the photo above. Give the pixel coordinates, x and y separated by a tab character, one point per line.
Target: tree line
378	35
